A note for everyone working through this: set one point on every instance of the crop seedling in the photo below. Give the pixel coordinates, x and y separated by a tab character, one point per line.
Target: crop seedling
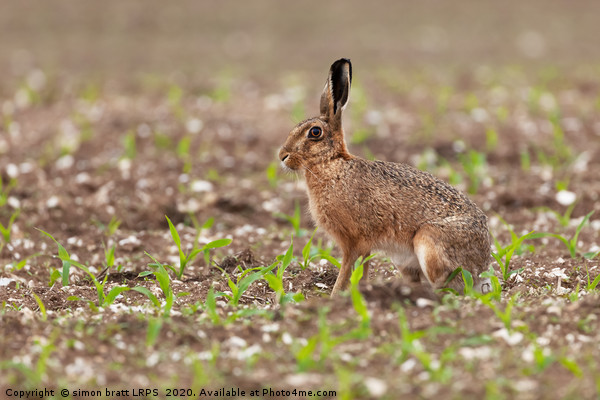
18	265
322	343
506	314
411	346
306	250
504	254
563	219
358	301
6	231
174	98
103	299
293	219
64	256
591	284
129	145
185	259
41	305
164	282
571	243
475	166
491	139
275	281
271	172
5	190
243	282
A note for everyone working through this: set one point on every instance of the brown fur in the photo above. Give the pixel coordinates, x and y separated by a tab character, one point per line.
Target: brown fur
376	205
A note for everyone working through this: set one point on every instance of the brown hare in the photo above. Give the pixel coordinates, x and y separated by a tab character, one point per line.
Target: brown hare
427	227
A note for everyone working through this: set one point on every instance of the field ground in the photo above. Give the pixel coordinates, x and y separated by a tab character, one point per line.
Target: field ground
115	117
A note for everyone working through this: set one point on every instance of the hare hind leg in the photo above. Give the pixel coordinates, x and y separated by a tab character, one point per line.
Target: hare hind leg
436	259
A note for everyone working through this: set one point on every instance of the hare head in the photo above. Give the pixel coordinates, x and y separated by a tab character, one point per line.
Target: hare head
318	140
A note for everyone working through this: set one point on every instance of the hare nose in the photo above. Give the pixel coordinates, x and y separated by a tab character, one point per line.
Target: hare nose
283	154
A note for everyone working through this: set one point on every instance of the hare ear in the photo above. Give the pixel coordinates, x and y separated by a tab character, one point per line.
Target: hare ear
337	89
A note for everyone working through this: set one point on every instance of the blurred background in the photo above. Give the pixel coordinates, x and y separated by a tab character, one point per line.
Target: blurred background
130	43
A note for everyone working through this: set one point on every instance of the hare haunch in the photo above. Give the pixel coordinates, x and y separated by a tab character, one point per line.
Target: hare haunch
427	227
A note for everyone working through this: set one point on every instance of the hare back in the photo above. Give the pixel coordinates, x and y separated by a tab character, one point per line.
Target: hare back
383	202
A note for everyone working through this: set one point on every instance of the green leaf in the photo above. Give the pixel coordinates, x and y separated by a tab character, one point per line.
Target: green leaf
148	294
114	292
216	244
208	224
594	283
287	259
40	305
211	306
274	283
468	280
331	259
154	328
177	240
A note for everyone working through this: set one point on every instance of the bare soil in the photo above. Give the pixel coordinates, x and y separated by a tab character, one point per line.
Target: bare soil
203	141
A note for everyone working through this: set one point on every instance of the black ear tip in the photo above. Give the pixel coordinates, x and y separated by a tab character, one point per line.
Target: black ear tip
338	65
340	62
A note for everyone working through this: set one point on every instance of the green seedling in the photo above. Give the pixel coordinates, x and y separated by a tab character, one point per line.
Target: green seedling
34	374
222	91
185	259
129	145
504	315
5	190
109	255
319	347
563	219
361	135
491	139
275	281
591	284
293	219
243	282
64	256
525	158
571	243
164	282
358	301
571	366
103	299
272	174
153	330
504	254
183	152
298	111
174	98
6	231
112	226
591	255
18	265
41	305
411	346
210	305
475	166
496	291
306	256
574	295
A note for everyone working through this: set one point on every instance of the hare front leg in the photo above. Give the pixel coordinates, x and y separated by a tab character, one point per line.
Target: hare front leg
349	258
343	279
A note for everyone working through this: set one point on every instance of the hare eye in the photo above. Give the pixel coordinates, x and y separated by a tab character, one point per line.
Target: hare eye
314	132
